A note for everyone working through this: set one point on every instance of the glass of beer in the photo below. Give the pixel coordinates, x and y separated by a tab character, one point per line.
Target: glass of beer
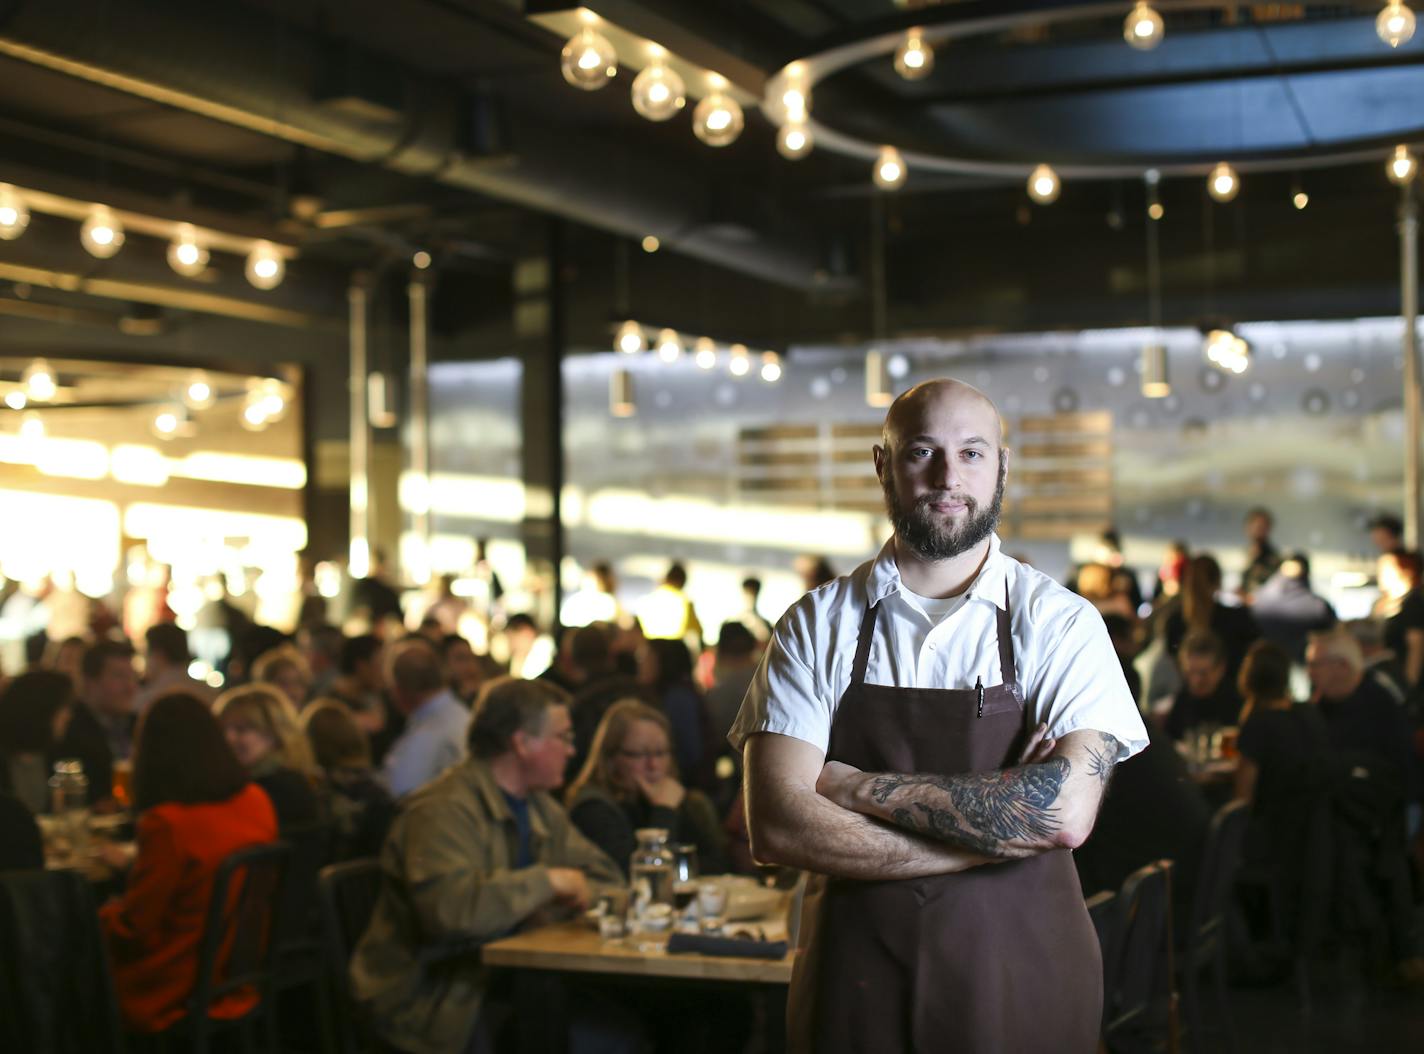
123	783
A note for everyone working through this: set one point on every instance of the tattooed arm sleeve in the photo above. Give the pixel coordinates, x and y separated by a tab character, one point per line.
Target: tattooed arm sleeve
1006	814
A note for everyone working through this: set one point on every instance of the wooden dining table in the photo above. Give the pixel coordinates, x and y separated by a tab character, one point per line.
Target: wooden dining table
547	960
575	947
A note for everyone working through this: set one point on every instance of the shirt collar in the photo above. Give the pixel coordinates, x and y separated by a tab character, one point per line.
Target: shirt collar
438	701
988	584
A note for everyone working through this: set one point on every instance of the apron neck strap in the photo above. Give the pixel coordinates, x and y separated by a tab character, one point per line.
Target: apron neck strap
862	644
1006	641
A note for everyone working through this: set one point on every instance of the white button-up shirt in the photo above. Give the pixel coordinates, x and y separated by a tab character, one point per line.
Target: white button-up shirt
1069	674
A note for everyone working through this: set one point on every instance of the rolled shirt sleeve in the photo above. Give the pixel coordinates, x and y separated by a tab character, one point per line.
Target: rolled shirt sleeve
786	696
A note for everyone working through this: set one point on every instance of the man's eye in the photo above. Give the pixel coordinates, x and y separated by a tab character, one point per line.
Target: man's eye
974	455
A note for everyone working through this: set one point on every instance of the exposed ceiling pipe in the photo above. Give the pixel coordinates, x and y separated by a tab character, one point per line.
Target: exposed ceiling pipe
214	66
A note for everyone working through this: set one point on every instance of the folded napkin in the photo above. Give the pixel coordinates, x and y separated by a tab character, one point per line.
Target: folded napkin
732	946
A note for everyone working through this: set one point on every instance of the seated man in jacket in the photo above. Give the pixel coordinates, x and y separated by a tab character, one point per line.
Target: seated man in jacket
480	851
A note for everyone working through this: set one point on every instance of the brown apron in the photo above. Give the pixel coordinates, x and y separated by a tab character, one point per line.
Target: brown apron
1001	957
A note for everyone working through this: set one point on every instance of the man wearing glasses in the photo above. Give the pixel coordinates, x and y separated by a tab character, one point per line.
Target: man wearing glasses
482	850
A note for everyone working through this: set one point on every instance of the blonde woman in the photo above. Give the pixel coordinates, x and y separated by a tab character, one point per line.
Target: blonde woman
287	669
630	781
261	727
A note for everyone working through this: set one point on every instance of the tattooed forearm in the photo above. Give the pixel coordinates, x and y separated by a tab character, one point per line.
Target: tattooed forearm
1102	757
1012	812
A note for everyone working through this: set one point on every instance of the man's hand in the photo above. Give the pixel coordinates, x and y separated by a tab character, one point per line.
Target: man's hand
666	792
570	887
847	786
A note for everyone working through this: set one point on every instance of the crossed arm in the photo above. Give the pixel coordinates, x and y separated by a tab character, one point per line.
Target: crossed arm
837	820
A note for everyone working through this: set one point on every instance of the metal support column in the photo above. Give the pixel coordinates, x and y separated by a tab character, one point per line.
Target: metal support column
1409	308
360	432
419	490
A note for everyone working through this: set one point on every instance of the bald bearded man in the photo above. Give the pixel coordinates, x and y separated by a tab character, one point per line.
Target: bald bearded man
931	736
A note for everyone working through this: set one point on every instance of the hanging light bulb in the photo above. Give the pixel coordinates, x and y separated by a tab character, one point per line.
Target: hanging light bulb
669	346
879	389
914	59
629	338
15	399
185	255
32	426
796	102
14	213
739	360
1403	166
1222	183
718	119
794	141
265	266
1154	372
102	234
889	172
588	60
272	396
658	91
621	400
770	367
254	414
167	422
1043	185
38	382
1395	24
706	353
198	392
1143	27
1300	199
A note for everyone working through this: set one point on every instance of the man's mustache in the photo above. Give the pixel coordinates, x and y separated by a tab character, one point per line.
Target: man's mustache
925	500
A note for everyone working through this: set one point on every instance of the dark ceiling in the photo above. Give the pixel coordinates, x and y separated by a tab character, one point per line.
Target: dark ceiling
360	131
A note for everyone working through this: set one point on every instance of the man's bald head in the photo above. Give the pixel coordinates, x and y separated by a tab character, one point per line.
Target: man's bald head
944	396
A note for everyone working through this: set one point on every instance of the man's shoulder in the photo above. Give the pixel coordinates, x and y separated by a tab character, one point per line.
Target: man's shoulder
1038	597
827	602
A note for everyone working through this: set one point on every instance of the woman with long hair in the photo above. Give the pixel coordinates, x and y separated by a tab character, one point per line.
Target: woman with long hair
361	806
34	713
196	806
630	781
1201	609
262	728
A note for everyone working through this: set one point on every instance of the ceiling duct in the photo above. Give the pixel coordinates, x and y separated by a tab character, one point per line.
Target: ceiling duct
217	66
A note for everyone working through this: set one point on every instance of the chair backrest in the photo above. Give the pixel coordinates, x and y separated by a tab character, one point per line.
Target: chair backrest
1143	958
244	914
348	899
313	846
1102	909
56	992
1221	856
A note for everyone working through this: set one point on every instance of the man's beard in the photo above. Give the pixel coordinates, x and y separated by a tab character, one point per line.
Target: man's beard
922	530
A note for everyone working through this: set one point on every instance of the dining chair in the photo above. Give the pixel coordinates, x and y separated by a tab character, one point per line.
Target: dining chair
1204	945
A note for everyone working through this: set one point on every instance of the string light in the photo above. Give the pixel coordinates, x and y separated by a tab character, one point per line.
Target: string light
1402	167
705	353
101	234
794	141
629	339
770	367
38	382
1143	27
1225	350
1300	199
718	119
1222	183
588	60
914	59
658	91
1395	24
651	244
185	254
14	213
669	346
198	393
1043	185
265	267
889	172
739	361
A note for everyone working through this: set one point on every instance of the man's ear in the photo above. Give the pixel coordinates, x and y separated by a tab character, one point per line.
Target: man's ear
879	453
1004	453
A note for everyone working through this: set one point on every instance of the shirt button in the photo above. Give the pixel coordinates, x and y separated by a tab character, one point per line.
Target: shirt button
933	647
